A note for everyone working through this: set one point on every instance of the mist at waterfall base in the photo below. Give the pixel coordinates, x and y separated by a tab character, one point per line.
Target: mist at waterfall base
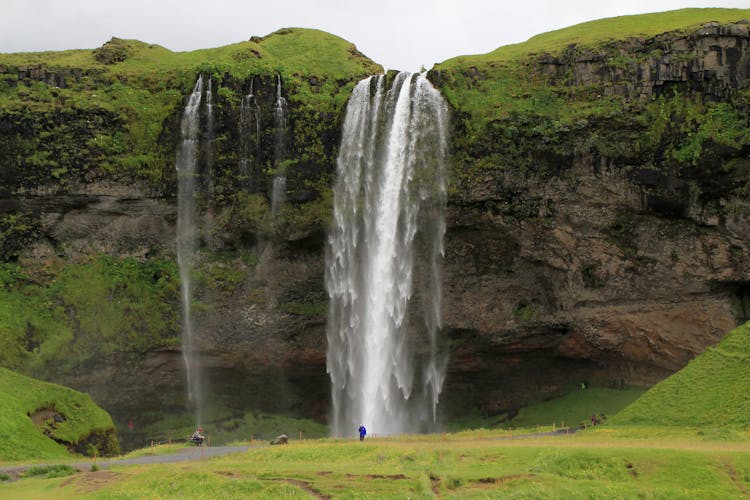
386	356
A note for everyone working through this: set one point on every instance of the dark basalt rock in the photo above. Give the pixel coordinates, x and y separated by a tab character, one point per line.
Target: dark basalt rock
112	52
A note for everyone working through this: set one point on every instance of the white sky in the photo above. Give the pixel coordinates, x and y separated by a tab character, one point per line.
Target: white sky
399	34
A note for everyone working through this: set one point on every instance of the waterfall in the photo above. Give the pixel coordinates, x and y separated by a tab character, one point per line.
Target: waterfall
278	192
187	234
209	141
386	357
249	119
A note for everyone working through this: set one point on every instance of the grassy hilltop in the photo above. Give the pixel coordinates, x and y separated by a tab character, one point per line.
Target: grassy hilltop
504	83
87	114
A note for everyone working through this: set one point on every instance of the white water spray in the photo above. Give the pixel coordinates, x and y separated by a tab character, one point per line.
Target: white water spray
385	247
209	141
187	235
278	191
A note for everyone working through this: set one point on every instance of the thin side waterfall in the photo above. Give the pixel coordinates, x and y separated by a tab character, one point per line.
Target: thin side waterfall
386	355
209	142
187	235
249	120
278	192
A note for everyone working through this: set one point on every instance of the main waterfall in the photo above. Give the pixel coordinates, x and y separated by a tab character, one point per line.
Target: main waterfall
385	355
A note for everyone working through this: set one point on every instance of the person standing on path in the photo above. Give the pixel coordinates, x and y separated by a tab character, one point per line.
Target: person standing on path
362	432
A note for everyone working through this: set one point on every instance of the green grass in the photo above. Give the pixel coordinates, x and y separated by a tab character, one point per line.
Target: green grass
21	396
576	407
711	391
50	471
585	465
601	31
504	84
569	409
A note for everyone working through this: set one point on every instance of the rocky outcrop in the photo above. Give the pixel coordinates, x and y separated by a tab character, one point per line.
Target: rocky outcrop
712	60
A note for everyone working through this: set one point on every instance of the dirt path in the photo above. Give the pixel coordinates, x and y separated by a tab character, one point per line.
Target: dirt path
182	455
187	454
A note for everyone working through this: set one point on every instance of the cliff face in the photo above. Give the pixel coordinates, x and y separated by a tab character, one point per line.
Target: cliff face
598	225
612	246
89	286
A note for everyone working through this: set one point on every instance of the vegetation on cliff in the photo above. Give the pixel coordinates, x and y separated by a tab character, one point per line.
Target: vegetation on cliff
71	119
81	115
44	420
660	91
59	314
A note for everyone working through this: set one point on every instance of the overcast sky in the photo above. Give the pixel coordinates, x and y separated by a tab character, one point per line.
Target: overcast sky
399	34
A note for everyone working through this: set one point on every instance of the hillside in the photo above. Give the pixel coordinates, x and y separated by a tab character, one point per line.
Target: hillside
710	392
42	420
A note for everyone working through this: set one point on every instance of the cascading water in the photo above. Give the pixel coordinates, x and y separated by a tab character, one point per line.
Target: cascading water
249	119
278	192
385	352
209	138
187	235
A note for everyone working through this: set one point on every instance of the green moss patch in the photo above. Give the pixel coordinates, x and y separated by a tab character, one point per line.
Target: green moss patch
58	315
73	420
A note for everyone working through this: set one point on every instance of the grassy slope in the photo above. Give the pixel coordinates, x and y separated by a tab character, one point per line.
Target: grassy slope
711	391
20	395
594	33
451	466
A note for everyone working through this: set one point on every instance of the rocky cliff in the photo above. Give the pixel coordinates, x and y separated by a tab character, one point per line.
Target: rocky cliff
599	223
597	228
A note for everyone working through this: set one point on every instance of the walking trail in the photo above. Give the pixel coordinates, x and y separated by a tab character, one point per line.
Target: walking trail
195	453
181	455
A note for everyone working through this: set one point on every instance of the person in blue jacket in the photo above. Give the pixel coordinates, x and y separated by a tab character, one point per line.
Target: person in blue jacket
362	432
